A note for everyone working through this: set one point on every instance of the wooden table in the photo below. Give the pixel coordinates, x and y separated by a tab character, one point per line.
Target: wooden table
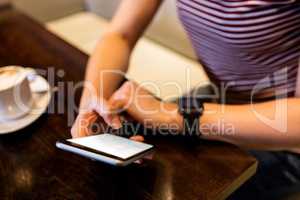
32	168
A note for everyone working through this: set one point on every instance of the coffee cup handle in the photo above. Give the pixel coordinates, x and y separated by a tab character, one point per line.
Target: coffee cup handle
37	84
30	74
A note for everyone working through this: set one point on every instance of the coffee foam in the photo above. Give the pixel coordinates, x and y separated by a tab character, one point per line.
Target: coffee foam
10	76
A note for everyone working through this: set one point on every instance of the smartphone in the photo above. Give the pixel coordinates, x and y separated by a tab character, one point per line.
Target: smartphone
107	148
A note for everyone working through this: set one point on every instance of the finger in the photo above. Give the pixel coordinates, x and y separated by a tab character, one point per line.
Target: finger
121	100
81	127
140	161
82	124
104	110
149	157
138	138
118	102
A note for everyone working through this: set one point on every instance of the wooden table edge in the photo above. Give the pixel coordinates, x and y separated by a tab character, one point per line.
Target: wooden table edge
247	175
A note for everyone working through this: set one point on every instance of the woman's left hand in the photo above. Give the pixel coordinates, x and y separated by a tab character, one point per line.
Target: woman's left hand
143	107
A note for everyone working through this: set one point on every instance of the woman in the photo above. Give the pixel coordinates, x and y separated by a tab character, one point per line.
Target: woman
251	47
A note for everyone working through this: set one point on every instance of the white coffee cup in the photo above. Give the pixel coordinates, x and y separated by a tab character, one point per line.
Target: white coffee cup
15	94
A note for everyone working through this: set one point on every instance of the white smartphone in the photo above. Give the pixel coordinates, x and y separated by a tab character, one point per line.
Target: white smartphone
108	148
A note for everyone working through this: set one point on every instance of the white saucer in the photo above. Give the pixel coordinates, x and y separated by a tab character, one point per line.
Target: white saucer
41	102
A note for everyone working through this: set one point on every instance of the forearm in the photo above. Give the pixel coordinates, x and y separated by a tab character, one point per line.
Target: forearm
243	125
113	51
107	65
273	125
109	62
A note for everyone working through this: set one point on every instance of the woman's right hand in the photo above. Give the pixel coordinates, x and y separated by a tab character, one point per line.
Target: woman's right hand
112	54
90	110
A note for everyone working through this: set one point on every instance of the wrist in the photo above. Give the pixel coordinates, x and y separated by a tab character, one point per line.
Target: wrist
176	120
94	87
206	120
170	118
179	121
88	97
211	115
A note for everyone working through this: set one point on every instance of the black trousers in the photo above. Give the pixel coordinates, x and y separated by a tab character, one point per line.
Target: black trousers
277	178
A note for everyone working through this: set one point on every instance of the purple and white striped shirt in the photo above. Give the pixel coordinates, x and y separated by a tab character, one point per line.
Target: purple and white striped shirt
250	46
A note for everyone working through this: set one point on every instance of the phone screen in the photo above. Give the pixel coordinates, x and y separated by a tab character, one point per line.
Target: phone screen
113	145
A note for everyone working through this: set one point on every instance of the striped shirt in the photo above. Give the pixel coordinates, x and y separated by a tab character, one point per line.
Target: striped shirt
248	47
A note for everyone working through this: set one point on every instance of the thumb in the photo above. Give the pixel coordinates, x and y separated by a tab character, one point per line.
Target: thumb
81	126
119	102
105	111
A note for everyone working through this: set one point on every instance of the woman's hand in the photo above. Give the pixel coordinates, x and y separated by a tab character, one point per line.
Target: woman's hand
141	105
91	108
144	107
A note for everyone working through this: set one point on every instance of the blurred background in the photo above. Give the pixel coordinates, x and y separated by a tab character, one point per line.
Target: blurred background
48	10
160	52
